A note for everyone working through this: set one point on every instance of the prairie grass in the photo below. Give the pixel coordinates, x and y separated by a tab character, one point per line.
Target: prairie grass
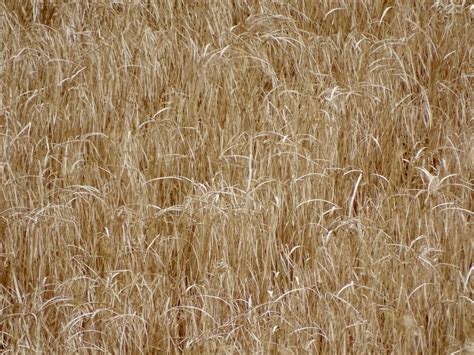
236	176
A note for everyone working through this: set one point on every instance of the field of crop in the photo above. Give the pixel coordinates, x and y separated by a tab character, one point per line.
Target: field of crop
236	176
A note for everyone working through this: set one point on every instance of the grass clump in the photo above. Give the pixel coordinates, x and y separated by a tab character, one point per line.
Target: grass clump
229	176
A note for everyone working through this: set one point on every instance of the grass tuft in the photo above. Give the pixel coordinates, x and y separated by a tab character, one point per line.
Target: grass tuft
234	176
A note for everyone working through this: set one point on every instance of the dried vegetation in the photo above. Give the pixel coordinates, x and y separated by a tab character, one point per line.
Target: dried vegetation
223	176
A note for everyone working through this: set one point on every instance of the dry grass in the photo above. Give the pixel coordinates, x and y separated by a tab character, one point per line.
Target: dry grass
220	176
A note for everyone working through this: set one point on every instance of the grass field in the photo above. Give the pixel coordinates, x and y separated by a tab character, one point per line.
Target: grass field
236	176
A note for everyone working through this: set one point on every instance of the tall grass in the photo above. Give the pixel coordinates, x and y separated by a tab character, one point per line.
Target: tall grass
223	176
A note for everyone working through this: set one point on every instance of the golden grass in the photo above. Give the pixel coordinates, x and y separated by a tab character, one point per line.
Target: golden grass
236	176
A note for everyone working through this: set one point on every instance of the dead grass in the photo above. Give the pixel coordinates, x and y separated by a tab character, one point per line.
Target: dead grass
220	176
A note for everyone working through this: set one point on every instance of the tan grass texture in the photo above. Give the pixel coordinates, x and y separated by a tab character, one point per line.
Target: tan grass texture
236	176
